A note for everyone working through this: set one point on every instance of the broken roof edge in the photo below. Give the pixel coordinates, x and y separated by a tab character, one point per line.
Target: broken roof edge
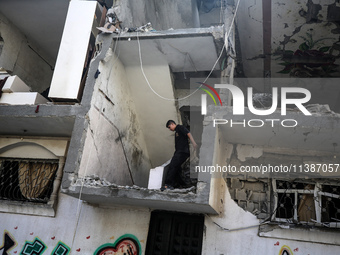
216	31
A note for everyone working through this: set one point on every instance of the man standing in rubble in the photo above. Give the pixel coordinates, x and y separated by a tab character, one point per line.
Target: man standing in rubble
182	153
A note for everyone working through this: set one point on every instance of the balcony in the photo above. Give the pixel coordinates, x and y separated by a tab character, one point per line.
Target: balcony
125	133
114	121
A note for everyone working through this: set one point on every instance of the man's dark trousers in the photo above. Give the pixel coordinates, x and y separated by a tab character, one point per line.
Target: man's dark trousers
173	176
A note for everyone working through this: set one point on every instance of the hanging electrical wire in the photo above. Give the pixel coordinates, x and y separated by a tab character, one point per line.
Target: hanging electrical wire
212	69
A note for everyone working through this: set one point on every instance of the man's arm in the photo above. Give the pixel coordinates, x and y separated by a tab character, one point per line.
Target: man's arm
192	141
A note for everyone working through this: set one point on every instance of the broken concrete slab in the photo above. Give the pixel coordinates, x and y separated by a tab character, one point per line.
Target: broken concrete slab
181	49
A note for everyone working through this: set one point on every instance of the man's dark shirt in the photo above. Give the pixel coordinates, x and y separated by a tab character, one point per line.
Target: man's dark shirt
181	139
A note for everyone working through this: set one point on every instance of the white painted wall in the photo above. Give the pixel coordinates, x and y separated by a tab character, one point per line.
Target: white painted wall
20	56
154	111
80	226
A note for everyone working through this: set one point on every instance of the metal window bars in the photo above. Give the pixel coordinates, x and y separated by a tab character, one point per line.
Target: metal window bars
312	203
27	179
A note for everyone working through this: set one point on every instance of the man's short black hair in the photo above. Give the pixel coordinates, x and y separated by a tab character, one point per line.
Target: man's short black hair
170	122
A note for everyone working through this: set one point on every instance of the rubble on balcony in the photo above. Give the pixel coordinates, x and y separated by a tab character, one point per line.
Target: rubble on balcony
96	181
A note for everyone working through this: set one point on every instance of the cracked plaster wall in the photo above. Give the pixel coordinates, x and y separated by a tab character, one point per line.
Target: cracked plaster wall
20	56
114	148
249	26
154	111
311	26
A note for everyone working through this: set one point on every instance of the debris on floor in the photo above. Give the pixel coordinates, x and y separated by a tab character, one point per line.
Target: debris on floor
145	28
112	25
96	181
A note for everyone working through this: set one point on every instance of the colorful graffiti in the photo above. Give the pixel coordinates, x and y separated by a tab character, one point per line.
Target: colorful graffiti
36	247
311	59
61	249
8	243
285	250
126	244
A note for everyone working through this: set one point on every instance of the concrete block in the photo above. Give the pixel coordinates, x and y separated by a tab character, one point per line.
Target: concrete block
257	206
240	194
245	152
15	84
254	186
156	177
236	184
258	196
232	194
22	98
242	204
262	215
250	206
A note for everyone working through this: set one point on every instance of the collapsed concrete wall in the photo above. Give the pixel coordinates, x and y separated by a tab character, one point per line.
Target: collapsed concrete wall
236	231
287	207
20	56
253	191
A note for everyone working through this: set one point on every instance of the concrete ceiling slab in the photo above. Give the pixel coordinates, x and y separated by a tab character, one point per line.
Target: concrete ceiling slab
184	50
31	120
39	126
42	21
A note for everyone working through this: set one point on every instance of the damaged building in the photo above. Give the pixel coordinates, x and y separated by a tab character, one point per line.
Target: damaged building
86	90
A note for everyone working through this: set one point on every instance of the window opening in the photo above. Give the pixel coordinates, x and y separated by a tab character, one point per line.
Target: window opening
27	180
312	203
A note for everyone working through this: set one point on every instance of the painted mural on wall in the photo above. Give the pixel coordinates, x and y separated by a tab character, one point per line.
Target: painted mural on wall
285	249
37	247
309	44
8	243
311	59
34	247
127	244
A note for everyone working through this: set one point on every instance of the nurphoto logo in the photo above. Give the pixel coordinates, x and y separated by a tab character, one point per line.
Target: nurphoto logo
239	99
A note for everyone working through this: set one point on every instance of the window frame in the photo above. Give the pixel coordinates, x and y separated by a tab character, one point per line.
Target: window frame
46	149
317	197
